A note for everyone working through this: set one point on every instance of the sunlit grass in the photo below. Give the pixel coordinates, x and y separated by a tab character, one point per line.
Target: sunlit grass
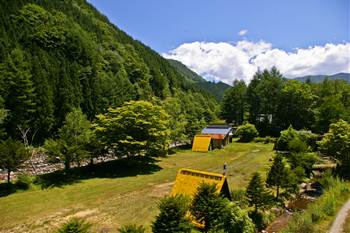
113	201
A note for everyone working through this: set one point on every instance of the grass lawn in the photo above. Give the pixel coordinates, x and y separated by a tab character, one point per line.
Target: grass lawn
125	194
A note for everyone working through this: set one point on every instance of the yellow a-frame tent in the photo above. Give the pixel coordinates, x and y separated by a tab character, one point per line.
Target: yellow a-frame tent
188	180
201	143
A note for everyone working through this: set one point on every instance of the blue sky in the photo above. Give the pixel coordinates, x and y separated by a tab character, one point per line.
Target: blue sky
166	25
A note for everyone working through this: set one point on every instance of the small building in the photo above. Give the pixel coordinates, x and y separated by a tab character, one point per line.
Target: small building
188	180
220	135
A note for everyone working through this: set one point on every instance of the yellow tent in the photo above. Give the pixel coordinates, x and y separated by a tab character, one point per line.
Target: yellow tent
188	180
201	143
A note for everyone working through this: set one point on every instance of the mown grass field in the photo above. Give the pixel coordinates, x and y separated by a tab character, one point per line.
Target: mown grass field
125	194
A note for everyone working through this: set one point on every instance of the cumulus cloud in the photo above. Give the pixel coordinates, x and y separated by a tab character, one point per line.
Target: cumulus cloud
222	61
242	32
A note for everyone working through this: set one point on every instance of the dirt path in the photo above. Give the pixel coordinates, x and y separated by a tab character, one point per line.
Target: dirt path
337	226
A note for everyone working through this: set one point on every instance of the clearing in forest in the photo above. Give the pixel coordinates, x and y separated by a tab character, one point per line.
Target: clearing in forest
124	191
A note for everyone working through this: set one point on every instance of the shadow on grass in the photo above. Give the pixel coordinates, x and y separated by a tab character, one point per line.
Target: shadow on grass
111	169
9	188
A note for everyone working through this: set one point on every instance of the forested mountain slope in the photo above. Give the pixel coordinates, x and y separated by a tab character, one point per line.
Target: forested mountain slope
56	55
216	89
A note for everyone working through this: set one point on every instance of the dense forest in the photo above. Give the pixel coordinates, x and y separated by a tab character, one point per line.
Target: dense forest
273	103
56	56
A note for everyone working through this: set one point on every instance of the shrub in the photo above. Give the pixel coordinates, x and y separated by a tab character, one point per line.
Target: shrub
309	138
75	225
290	141
132	228
246	132
23	182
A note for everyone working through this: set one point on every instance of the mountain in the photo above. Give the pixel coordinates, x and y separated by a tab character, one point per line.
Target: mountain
216	89
320	78
57	55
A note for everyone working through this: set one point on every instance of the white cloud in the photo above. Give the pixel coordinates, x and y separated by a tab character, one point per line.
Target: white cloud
242	32
226	62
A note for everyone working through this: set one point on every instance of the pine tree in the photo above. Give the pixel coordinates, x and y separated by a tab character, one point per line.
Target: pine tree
278	174
257	194
172	217
208	207
19	96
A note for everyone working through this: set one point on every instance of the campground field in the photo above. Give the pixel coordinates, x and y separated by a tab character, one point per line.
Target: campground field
124	192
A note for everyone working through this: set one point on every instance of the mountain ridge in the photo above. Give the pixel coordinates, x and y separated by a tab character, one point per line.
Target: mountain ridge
319	78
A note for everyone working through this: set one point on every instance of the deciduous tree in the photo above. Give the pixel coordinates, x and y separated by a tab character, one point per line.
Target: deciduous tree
136	128
12	154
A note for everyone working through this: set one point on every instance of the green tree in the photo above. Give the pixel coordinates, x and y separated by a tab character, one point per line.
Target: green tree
12	154
290	141
336	143
208	207
172	216
218	214
74	137
263	95
136	128
246	132
257	194
234	103
19	92
295	105
177	119
278	175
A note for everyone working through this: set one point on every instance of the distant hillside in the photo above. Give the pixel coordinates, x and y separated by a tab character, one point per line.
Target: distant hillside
216	89
320	78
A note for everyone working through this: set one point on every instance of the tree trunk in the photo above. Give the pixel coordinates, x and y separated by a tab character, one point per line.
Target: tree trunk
278	192
66	165
8	176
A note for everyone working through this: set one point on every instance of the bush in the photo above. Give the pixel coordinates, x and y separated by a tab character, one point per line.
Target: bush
290	141
75	225
309	138
246	132
132	229
23	182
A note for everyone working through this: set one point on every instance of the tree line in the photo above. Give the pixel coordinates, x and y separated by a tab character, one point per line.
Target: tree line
272	103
